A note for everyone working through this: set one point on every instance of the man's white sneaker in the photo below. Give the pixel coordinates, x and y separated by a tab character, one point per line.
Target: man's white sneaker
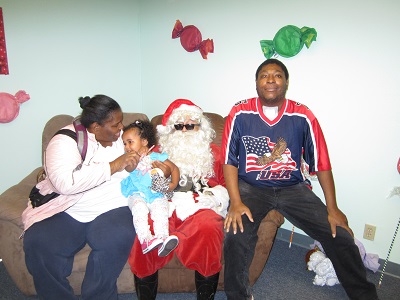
168	245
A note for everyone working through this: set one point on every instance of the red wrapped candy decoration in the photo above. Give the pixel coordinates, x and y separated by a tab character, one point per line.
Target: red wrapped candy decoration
9	105
191	39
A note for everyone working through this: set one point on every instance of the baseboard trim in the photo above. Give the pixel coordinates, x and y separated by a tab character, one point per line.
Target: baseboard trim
301	240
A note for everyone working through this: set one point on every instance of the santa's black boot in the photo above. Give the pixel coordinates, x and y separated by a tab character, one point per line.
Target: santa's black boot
206	287
146	287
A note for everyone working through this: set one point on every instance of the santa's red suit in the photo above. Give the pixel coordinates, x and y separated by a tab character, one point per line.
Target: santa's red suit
200	237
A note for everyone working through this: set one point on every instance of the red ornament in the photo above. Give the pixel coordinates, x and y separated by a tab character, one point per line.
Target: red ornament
191	39
9	105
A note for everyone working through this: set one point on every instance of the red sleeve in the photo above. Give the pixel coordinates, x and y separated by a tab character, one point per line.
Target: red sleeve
323	162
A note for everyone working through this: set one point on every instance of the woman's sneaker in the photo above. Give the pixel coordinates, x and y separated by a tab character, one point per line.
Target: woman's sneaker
149	245
168	245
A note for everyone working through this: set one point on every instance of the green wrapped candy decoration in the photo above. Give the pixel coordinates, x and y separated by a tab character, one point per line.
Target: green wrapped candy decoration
288	41
267	47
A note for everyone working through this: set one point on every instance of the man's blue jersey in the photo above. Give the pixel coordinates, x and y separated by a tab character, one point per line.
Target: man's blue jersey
269	152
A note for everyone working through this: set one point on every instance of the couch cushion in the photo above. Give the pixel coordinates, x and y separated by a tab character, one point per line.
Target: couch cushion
173	278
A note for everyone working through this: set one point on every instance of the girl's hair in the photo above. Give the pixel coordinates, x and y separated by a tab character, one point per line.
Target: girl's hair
97	109
146	131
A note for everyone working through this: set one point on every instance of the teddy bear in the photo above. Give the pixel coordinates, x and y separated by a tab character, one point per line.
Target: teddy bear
322	266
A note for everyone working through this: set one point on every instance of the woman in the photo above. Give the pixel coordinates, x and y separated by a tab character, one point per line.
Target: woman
89	208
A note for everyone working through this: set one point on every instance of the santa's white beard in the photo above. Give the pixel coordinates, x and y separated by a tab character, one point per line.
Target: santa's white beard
190	151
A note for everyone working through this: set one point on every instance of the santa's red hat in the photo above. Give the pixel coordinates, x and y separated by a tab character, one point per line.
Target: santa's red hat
180	105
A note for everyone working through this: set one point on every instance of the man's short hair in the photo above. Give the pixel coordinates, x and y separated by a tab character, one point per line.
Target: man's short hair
275	62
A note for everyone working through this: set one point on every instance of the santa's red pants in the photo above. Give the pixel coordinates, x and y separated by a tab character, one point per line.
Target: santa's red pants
200	246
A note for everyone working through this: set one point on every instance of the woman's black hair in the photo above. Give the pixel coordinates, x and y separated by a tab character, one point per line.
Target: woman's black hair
146	131
97	109
275	62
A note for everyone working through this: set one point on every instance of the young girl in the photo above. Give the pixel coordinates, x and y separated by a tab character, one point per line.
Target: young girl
145	196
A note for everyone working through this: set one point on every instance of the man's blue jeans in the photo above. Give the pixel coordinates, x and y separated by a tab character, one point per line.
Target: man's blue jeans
306	211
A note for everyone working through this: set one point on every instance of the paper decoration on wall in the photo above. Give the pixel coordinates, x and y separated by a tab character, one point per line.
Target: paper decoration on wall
3	51
396	190
191	39
288	41
398	165
9	105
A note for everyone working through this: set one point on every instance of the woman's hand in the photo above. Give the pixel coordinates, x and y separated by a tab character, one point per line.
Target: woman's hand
127	161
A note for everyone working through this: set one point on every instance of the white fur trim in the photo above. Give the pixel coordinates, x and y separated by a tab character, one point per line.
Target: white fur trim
163	130
215	198
191	108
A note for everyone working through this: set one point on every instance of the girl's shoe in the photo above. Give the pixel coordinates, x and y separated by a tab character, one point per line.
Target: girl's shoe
152	244
168	245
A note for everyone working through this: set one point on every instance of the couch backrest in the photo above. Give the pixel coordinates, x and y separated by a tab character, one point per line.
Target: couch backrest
217	122
59	121
52	126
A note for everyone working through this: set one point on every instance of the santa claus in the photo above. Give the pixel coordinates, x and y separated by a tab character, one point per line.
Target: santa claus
198	205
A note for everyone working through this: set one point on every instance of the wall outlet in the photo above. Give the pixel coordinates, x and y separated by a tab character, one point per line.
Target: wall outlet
369	232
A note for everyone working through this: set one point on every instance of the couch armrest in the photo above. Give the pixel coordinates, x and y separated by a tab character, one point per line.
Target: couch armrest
15	199
12	203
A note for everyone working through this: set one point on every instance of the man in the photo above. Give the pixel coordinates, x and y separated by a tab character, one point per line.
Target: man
199	203
265	139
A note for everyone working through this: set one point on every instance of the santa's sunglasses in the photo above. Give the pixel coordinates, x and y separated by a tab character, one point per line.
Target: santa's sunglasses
187	126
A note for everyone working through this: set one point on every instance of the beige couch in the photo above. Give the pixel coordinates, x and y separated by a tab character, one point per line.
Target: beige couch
172	278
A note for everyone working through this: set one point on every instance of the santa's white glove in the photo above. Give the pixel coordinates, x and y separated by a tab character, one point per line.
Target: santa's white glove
215	198
184	204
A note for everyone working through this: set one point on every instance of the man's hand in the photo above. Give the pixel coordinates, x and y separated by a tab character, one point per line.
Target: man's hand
337	218
234	217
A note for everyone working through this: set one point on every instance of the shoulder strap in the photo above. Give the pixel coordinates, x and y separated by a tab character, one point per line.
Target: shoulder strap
80	136
68	132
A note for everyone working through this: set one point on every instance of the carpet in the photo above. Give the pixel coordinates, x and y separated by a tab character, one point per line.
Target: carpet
285	277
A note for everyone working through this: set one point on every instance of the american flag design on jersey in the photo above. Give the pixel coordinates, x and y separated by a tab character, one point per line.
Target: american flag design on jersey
259	147
270	152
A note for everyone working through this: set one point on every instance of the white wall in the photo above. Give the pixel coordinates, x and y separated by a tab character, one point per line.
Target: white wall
60	51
